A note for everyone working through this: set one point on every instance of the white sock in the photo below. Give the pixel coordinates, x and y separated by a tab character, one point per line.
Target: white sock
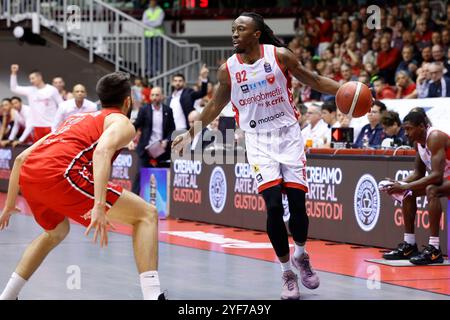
150	285
12	289
434	241
410	238
285	266
299	250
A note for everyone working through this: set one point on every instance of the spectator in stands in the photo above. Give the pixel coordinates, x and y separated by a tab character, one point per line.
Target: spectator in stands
156	123
423	80
408	63
438	55
364	78
393	130
136	93
145	92
423	34
436	38
347	75
439	85
7	120
330	118
22	124
182	99
336	67
410	16
387	60
203	138
317	129
325	31
58	83
153	18
397	36
406	88
382	89
426	54
78	104
445	35
329	114
368	55
371	135
43	98
302	120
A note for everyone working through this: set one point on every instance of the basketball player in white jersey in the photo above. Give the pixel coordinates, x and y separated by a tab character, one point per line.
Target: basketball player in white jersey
433	155
257	81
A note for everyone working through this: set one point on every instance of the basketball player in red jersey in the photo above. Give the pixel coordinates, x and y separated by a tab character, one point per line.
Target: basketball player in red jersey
65	175
257	81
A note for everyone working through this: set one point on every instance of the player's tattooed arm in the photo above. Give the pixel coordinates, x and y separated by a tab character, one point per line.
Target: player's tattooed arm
289	62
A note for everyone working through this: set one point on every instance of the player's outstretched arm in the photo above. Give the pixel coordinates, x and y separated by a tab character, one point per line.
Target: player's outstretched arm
13	185
319	83
118	134
211	111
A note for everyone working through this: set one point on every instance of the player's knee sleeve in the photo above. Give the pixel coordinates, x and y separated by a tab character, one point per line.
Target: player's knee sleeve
298	221
276	228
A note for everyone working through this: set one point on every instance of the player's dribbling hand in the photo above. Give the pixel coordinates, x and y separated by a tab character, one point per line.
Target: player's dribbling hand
14	68
6	214
100	222
180	142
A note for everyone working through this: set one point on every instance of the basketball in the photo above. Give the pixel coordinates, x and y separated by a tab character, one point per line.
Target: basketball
354	98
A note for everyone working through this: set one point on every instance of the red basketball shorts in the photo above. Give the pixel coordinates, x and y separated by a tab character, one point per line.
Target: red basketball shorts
72	197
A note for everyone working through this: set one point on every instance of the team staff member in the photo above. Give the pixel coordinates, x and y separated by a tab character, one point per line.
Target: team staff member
42	98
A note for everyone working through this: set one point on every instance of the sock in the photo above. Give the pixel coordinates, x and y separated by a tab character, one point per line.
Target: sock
285	266
299	250
434	241
410	238
150	285
12	289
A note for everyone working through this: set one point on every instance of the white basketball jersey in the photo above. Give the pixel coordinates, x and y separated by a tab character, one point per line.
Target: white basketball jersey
425	155
261	93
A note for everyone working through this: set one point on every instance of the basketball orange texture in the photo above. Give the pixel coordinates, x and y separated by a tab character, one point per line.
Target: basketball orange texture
354	98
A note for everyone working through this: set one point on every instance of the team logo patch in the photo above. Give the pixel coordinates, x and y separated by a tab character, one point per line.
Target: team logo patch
267	67
367	202
259	178
270	78
217	189
252	124
255	168
245	89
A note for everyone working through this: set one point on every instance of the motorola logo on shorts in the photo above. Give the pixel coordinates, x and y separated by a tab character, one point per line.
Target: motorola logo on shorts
367	202
271	118
253	124
217	189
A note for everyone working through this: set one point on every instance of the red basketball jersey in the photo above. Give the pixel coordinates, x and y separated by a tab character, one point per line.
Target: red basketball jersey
69	148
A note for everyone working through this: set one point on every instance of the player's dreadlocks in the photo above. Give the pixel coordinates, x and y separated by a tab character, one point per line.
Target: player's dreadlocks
267	36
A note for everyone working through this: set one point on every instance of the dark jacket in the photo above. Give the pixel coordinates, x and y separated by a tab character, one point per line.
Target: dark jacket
144	121
375	136
400	139
435	89
188	97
